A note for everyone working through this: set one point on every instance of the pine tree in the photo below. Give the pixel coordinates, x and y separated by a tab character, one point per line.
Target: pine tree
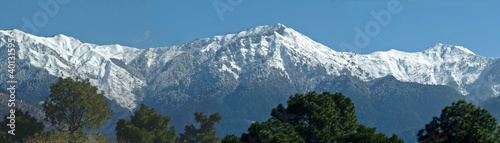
314	118
461	122
230	139
273	131
321	117
206	132
146	126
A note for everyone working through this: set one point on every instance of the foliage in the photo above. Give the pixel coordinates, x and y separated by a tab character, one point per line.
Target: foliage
461	122
320	118
271	131
206	132
146	126
313	118
65	137
25	126
75	104
368	135
230	139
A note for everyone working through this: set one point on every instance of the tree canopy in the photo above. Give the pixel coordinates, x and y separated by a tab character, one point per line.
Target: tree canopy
75	104
25	126
206	132
273	131
230	139
313	118
146	126
461	122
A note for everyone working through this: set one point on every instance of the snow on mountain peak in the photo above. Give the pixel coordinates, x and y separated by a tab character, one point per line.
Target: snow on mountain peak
441	64
448	49
263	30
276	46
65	56
275	27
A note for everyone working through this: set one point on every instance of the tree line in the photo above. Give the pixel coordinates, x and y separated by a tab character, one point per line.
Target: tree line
76	110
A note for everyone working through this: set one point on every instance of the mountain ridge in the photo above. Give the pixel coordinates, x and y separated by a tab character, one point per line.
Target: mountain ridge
243	75
114	68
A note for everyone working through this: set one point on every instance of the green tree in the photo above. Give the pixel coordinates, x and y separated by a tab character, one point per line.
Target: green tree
25	126
53	136
206	132
230	139
271	131
461	122
368	135
74	105
314	117
145	126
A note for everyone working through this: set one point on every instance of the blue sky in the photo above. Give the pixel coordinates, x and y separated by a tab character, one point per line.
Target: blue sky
148	23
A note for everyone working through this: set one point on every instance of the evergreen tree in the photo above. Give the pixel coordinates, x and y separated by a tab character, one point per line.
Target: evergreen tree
367	135
314	118
230	139
145	126
271	131
53	136
461	122
25	126
206	132
74	105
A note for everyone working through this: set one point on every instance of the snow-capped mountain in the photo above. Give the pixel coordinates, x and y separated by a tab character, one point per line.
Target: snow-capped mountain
128	74
65	56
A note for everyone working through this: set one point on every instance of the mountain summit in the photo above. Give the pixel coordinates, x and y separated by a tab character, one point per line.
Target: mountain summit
444	49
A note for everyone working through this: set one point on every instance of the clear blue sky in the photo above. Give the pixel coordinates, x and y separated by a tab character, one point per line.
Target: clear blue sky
147	23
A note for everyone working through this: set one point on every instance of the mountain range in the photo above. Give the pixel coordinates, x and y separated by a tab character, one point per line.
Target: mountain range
244	75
